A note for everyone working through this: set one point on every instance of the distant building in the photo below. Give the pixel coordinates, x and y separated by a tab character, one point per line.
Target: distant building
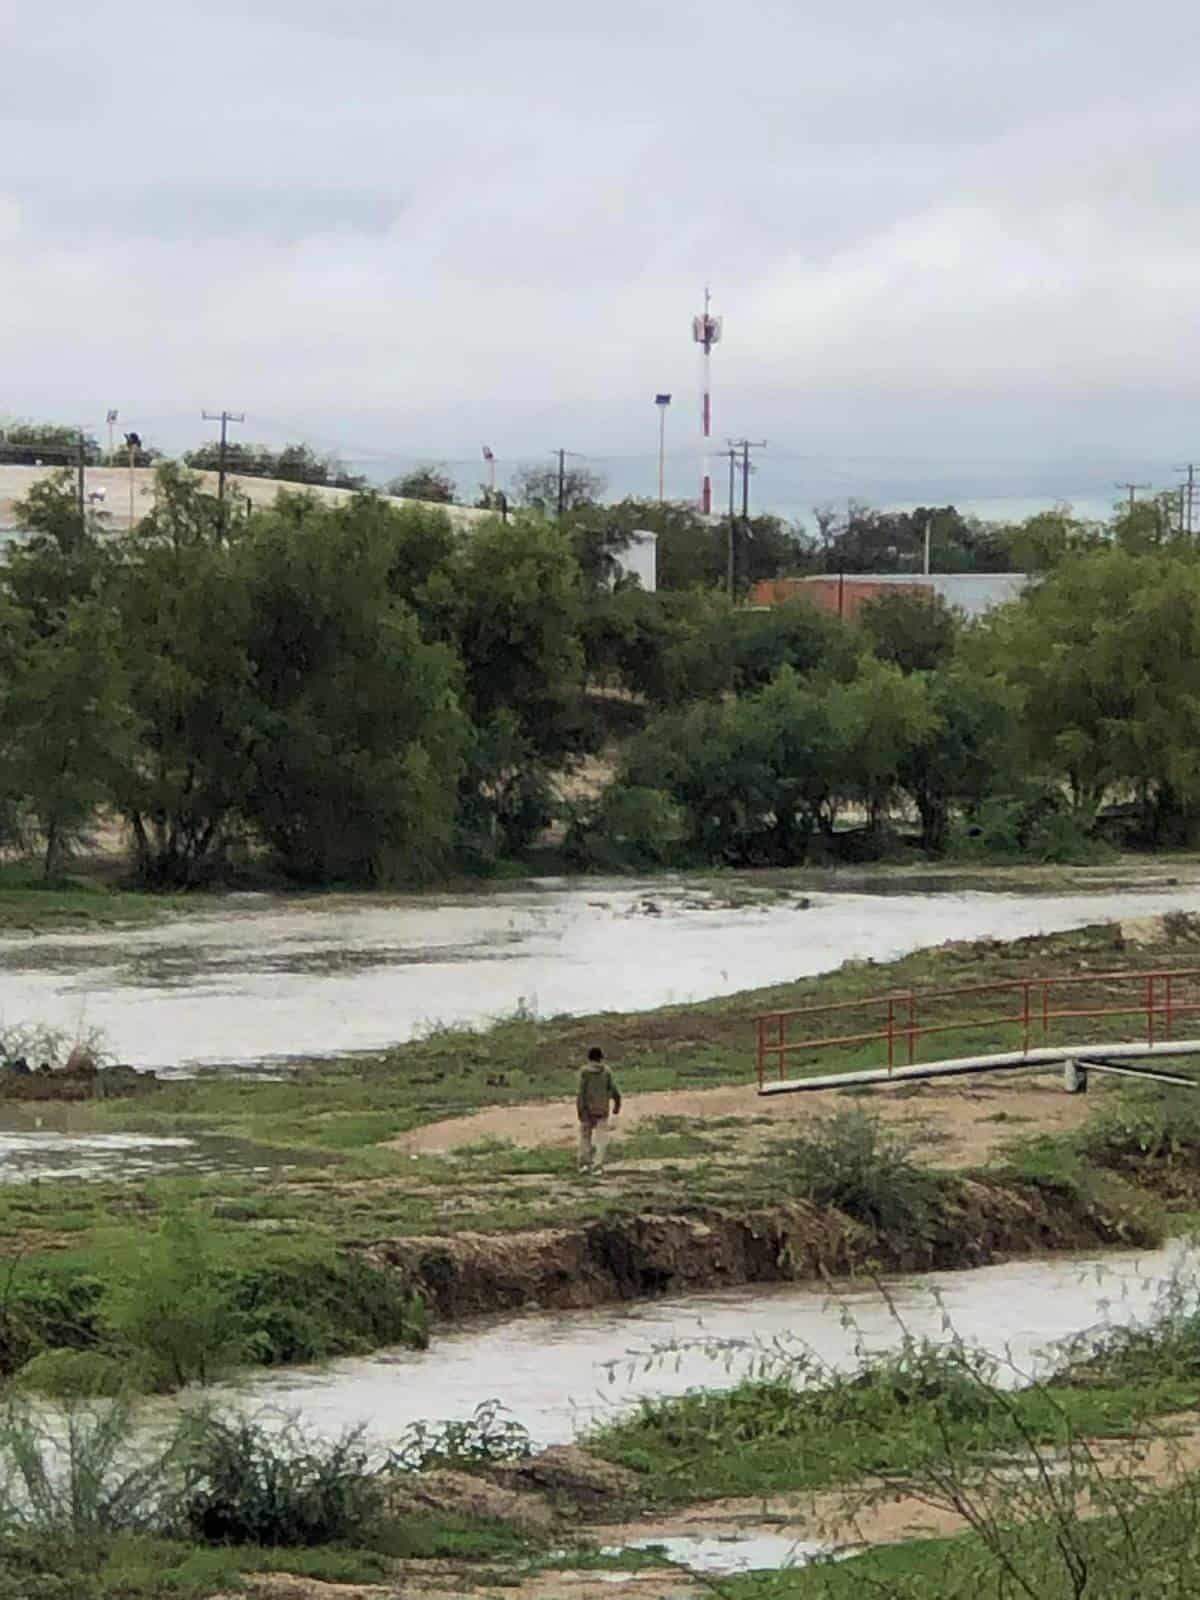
971	592
639	559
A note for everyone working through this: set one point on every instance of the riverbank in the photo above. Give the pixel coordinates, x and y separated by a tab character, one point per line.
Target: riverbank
93	894
357	1160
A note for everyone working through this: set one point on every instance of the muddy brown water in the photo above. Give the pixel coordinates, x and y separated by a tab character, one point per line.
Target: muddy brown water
560	1374
263	982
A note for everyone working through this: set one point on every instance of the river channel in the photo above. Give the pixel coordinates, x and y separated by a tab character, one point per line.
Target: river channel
263	981
560	1373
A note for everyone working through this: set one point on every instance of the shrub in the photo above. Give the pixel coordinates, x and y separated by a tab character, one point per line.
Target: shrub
174	1311
1158	1126
245	1483
305	1305
633	827
74	1375
488	1434
853	1162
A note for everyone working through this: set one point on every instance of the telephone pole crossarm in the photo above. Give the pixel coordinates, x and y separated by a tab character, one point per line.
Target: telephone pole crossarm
224	418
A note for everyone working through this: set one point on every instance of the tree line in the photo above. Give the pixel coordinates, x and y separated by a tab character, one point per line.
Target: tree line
364	694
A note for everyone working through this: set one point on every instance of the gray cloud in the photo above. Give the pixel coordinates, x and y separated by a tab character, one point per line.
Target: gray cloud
940	231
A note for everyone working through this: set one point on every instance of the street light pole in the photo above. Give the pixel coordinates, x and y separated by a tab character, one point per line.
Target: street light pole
662	401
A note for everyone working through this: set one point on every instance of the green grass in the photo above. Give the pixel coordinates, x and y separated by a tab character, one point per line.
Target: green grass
1148	1549
29	903
892	1418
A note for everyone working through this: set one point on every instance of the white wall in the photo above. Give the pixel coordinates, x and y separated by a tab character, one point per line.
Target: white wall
640	558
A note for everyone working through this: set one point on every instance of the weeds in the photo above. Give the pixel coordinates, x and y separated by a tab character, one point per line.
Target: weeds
853	1162
245	1484
488	1434
90	1474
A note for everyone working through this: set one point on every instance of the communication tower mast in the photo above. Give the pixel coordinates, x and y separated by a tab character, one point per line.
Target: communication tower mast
706	331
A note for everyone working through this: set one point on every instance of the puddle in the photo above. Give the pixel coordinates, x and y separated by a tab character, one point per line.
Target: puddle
55	1142
725	1555
265	983
560	1373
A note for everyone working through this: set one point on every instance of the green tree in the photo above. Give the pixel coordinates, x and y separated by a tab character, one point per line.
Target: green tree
66	726
914	629
1048	537
537	488
737	649
64	559
510	603
877	718
183	612
429	482
34	443
1104	657
359	738
968	752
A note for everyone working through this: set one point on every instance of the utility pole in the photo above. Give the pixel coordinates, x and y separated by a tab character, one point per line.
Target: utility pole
730	560
1133	489
744	447
562	479
80	486
224	418
1188	493
133	443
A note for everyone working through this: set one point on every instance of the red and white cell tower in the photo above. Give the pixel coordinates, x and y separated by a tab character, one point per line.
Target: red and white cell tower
706	331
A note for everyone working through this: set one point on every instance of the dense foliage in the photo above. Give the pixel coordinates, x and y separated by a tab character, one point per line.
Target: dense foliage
366	694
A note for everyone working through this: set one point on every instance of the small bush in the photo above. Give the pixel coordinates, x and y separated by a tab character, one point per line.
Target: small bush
488	1434
74	1375
629	829
852	1162
173	1310
1157	1126
247	1484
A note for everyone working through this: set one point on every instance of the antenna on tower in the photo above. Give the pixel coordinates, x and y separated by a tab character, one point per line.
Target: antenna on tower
706	331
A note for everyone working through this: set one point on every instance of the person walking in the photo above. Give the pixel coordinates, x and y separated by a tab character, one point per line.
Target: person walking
596	1093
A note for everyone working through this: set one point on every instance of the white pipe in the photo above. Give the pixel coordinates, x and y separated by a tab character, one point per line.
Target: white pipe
1010	1061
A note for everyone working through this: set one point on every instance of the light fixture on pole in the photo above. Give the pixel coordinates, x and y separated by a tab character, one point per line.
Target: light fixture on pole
489	455
662	401
111	419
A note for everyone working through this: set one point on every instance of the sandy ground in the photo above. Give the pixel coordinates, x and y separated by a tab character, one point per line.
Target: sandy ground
965	1125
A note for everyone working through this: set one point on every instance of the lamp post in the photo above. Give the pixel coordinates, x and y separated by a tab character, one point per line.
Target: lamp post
662	401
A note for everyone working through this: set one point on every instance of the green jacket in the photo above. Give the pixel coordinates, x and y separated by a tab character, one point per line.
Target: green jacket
597	1088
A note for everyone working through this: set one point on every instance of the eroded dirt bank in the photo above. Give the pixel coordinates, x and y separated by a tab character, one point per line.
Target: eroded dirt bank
629	1257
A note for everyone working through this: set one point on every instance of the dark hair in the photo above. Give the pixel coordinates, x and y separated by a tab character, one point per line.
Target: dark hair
595	1053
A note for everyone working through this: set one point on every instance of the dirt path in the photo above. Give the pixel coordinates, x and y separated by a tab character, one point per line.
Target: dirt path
966	1125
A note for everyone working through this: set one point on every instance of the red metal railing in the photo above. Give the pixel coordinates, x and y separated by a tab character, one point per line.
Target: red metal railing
907	1016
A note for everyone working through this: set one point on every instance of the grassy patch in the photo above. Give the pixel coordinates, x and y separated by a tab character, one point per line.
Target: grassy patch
891	1418
1146	1548
29	903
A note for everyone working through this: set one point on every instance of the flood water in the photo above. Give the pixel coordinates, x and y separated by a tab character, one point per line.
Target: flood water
52	1140
262	982
560	1373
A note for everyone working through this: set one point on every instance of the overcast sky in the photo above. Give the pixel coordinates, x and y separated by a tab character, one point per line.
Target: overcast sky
939	231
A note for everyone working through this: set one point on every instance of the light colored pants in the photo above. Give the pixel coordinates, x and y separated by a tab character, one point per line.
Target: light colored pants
593	1141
